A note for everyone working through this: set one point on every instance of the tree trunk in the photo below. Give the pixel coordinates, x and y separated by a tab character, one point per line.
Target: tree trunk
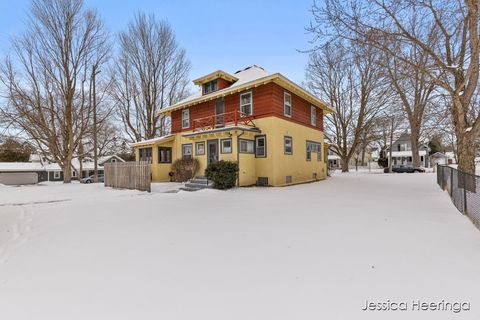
415	150
67	173
344	164
466	154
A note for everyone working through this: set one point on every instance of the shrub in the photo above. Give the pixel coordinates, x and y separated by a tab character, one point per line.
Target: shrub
223	174
383	162
184	169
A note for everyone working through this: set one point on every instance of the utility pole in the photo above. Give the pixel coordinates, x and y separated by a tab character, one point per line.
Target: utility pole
391	145
94	131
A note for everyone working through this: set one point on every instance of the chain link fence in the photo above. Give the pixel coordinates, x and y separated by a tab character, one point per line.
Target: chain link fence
464	190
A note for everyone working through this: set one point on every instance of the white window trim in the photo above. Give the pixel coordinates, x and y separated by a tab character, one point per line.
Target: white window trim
313	116
247	143
222	147
56	175
251	102
185	118
285	94
264	146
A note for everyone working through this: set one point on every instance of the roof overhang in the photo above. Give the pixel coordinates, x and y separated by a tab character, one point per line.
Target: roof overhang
215	75
276	78
219	130
152	142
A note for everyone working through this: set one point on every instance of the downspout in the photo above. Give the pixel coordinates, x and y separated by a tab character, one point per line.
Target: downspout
238	156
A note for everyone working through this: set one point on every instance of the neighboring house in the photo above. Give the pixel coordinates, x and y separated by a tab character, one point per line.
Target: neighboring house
402	152
334	160
39	170
438	158
268	124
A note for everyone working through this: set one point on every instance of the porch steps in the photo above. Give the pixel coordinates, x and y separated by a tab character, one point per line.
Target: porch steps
197	183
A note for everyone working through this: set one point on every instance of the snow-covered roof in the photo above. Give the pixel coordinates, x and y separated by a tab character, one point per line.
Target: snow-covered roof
247	78
407	153
153	141
20	166
47	166
439	155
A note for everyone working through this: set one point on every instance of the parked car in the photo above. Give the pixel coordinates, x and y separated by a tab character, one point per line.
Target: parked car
405	169
91	179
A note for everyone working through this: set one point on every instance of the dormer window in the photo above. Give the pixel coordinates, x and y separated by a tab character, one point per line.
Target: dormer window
211	86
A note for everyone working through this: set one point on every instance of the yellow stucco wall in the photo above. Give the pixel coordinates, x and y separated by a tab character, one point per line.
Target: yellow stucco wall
276	165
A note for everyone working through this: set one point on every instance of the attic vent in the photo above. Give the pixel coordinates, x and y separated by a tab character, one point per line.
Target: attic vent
262	181
288	179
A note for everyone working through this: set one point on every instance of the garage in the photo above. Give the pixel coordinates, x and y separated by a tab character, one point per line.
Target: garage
18	178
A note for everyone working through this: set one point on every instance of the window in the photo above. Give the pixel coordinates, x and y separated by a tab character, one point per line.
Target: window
185	118
200	148
210	86
247	146
260	147
187	151
56	175
164	155
226	145
287	145
145	154
246	105
287	104
313	116
314	147
74	173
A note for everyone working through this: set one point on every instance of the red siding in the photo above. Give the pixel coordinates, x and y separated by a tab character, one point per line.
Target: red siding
267	101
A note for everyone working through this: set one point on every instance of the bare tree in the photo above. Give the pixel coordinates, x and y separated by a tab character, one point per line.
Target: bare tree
453	28
47	77
413	89
151	73
348	78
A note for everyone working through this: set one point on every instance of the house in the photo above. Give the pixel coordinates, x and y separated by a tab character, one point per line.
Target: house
402	152
39	170
270	126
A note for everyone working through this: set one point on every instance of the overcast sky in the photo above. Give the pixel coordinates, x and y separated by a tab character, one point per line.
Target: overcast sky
227	35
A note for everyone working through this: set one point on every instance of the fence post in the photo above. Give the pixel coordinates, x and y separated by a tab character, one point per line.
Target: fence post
451	182
464	194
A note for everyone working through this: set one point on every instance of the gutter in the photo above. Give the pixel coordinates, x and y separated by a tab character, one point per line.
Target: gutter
238	156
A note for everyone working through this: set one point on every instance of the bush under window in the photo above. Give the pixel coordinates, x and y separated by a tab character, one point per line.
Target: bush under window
185	169
223	174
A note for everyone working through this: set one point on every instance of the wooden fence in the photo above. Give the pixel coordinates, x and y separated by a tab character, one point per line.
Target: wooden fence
129	175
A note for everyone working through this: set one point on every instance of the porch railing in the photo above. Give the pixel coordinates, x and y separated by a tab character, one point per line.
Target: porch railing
223	119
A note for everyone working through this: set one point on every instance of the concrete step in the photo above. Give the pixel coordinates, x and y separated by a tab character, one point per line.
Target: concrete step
198	185
190	189
201	180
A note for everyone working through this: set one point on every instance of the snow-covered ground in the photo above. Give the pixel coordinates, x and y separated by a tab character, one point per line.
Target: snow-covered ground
313	251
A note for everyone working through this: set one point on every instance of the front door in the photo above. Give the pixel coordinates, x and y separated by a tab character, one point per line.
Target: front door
212	151
219	113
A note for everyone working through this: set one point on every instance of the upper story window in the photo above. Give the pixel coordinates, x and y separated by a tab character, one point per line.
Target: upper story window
246	103
185	118
287	104
210	86
313	116
404	146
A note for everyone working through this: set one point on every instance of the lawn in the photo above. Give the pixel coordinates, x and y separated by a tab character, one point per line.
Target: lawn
312	251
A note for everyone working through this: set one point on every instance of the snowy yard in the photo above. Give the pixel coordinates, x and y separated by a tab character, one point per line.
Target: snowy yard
313	251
